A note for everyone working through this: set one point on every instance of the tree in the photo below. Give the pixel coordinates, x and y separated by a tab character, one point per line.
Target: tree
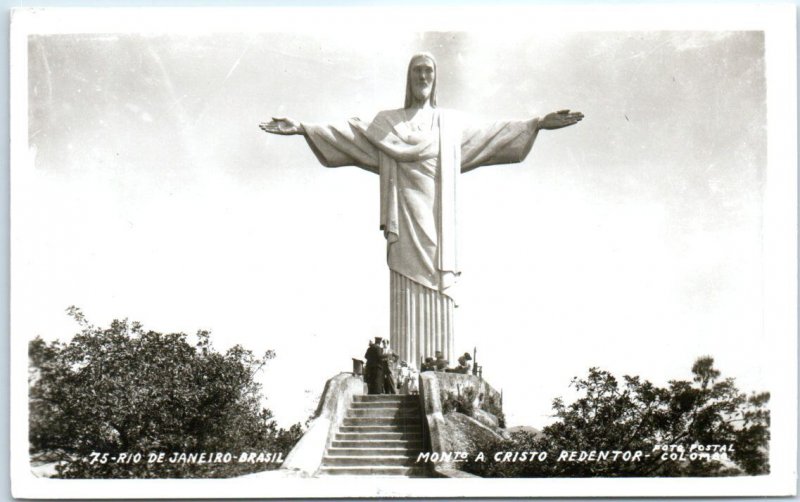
122	389
673	425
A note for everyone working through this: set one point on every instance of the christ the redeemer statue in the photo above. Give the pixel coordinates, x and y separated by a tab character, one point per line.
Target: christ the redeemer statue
419	151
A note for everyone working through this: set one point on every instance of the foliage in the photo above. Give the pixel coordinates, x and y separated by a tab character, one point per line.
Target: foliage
122	389
636	415
493	405
463	401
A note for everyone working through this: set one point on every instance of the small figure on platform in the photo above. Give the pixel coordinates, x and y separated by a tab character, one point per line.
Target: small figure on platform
409	379
373	372
412	382
428	365
441	363
403	376
389	365
464	364
368	367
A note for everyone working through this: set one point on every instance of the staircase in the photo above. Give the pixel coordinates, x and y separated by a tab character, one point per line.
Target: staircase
379	435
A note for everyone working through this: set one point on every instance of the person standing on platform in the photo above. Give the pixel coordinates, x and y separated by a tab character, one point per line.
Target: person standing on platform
464	364
374	368
388	360
428	365
441	363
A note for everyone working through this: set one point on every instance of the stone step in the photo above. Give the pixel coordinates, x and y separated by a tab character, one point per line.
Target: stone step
394	398
383	420
372	471
383	412
362	451
410	444
370	460
368	405
380	434
416	428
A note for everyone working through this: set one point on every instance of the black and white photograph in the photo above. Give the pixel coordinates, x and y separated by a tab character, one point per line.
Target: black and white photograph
403	252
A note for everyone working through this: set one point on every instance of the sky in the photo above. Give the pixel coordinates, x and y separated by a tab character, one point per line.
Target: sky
631	241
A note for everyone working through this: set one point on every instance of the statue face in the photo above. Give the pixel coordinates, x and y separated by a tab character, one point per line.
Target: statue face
422	76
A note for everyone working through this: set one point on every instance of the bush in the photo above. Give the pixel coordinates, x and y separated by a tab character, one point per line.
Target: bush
463	401
494	406
122	389
637	415
520	442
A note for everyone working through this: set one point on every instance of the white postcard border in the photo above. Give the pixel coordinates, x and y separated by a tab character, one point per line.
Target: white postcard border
779	233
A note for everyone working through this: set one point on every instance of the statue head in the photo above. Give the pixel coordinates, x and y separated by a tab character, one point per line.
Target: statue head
421	80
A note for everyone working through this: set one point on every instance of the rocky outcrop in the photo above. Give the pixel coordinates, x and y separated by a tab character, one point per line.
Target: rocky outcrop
465	433
454	431
456	383
486	418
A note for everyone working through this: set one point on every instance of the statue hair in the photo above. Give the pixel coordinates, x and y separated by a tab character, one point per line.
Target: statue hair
409	93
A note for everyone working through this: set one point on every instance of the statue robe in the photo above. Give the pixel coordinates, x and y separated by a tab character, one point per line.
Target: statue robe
419	170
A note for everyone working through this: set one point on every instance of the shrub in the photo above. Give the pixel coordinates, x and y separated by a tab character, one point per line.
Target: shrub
463	401
491	404
637	415
122	389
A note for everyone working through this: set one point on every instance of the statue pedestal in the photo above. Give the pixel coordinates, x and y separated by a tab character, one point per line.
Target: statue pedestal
421	321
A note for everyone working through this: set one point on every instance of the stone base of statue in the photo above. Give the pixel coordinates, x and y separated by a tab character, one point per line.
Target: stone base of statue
421	321
407	435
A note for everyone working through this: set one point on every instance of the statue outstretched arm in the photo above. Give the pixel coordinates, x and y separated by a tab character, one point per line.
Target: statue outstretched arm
334	145
283	126
559	119
508	142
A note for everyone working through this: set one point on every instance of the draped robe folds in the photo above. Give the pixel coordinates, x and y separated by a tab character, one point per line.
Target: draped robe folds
419	170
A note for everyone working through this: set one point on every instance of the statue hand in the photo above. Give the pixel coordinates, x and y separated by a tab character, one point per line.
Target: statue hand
559	119
282	125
